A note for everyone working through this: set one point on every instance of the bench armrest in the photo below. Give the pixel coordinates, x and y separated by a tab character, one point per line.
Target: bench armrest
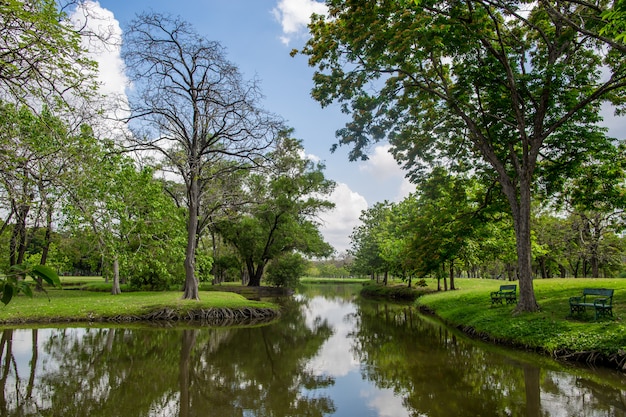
602	301
576	300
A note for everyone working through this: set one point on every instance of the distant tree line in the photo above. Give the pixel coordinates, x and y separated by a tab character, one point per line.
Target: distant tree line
456	226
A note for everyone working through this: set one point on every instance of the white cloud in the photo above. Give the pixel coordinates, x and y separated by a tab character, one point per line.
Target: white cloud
381	164
385	402
334	357
406	188
103	44
337	225
311	157
615	124
294	16
385	171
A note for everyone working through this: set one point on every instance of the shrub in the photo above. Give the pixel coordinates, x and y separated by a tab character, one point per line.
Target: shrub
286	270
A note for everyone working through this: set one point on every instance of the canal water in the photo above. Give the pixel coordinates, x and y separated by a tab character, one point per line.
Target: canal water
330	354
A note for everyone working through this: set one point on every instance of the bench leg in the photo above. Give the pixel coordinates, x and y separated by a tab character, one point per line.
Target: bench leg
496	300
574	309
603	312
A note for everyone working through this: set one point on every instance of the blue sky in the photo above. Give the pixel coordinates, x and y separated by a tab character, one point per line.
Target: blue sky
258	36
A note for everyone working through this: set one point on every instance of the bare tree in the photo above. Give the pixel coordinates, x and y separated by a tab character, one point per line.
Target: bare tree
192	106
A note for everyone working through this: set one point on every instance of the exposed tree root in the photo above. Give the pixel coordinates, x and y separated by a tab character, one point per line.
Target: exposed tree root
167	316
208	316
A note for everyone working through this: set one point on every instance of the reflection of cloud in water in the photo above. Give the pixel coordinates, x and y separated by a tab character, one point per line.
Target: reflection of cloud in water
385	402
334	358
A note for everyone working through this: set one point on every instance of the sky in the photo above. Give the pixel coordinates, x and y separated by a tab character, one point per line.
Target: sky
258	36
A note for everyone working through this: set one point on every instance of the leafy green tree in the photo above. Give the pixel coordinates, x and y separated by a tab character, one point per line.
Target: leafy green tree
139	230
198	111
41	57
366	246
35	157
490	84
554	235
440	219
595	197
279	218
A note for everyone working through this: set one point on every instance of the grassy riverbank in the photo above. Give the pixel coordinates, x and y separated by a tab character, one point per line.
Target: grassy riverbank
75	305
550	331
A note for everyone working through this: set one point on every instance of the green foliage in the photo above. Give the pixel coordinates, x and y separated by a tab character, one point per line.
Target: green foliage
615	19
41	55
367	240
126	211
228	268
396	292
279	216
204	266
286	270
14	282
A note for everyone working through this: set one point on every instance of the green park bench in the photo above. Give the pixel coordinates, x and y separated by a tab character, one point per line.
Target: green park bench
506	293
601	299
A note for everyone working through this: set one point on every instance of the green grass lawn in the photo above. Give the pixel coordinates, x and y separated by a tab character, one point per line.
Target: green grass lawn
550	330
74	305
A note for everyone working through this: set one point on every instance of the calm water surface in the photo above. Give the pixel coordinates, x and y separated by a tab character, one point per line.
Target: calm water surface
329	355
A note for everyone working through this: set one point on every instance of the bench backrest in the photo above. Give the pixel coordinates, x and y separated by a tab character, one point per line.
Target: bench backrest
508	287
604	292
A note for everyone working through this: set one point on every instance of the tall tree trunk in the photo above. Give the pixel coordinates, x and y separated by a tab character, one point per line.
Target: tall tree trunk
452	275
115	289
521	222
594	262
191	282
18	236
48	236
255	275
46	244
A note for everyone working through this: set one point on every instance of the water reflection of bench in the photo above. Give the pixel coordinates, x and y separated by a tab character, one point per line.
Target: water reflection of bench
506	293
601	299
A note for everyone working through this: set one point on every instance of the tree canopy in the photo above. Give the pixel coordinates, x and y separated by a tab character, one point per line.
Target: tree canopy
280	216
492	86
41	57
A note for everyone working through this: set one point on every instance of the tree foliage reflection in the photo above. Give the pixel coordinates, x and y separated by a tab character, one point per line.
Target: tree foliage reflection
439	374
186	372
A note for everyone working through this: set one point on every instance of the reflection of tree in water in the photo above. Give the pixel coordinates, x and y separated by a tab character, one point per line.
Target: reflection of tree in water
199	371
262	370
438	375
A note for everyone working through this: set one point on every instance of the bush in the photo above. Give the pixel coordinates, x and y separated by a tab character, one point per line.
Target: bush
397	293
286	270
151	273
